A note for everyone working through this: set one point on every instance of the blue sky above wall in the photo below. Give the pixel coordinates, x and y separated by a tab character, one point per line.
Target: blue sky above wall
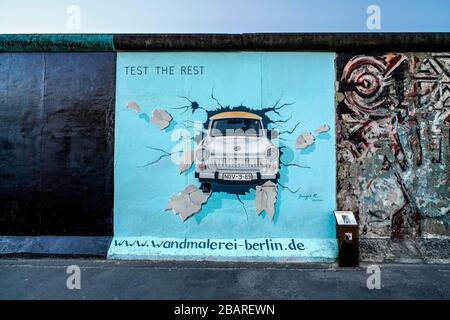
218	16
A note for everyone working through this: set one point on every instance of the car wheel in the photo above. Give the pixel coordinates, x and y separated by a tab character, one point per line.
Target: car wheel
205	187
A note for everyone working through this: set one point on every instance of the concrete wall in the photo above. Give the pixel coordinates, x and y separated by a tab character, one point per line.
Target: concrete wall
157	201
393	120
57	119
56	143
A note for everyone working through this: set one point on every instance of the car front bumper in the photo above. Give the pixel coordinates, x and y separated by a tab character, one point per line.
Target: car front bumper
218	175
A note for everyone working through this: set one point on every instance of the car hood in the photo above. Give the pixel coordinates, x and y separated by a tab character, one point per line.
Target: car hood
236	145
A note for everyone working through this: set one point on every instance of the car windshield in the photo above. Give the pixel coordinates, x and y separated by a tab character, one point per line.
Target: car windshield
236	127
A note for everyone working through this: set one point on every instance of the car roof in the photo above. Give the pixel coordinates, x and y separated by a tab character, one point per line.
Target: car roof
235	114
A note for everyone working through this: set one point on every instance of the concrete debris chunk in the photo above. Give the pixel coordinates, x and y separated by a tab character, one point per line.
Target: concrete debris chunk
188	202
266	196
186	160
304	140
199	197
190	188
134	106
323	128
161	118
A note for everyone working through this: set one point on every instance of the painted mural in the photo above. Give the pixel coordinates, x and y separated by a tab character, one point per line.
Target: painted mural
393	119
224	156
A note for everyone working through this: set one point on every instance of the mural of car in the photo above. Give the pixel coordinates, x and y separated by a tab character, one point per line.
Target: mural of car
236	149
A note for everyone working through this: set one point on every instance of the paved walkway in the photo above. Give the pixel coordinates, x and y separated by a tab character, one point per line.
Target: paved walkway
101	279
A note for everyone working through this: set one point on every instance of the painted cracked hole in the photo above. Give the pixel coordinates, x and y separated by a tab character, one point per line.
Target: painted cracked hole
230	168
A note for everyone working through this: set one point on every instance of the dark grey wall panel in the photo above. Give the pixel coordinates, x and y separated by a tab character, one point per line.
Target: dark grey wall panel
56	143
334	42
21	106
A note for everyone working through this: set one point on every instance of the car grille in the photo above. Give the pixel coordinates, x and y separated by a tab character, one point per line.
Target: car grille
239	163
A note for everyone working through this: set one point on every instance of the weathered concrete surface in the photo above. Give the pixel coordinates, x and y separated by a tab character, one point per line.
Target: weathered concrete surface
372	249
335	42
46	279
55	246
405	251
393	129
222	42
56	143
56	42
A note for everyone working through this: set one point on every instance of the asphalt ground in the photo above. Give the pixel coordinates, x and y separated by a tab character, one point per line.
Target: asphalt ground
47	278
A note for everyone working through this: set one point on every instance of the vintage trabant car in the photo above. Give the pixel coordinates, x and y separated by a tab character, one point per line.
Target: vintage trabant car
236	149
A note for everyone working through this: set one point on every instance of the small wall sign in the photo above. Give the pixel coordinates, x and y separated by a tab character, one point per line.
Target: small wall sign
345	218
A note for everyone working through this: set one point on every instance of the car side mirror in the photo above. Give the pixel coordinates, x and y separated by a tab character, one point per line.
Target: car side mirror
199	137
273	134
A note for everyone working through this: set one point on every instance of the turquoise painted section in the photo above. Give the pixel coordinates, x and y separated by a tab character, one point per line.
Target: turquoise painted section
56	42
253	79
259	249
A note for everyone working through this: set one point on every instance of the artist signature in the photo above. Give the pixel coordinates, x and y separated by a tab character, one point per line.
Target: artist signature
309	196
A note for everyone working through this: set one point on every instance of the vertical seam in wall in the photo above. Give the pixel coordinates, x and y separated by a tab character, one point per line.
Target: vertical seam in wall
261	80
336	128
44	76
112	143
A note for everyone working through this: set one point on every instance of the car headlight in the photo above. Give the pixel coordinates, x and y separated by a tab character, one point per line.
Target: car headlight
272	153
202	154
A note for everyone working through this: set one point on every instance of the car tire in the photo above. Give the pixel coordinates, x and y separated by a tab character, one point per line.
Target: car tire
205	187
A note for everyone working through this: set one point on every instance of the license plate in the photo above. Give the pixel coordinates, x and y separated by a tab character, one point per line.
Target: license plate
237	176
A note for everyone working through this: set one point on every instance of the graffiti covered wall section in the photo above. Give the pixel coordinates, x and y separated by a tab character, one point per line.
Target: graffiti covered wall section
225	156
393	119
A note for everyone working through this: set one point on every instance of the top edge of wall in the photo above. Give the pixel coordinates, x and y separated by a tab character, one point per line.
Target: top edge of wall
56	42
335	42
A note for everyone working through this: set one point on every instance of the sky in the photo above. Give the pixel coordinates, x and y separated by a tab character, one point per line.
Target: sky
220	16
